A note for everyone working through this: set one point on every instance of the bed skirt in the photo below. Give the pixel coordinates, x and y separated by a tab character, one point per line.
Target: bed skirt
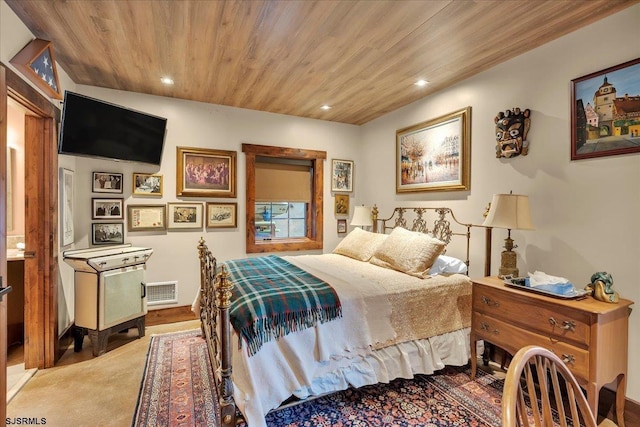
403	360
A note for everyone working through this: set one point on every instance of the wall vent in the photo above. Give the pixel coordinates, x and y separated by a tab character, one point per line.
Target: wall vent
162	293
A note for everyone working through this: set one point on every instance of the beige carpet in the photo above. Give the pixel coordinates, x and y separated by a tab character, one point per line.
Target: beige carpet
83	390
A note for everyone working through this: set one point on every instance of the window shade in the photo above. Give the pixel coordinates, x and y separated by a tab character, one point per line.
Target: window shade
283	182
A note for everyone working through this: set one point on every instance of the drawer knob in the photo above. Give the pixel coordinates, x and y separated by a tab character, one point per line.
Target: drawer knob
490	302
569	359
485	327
567	325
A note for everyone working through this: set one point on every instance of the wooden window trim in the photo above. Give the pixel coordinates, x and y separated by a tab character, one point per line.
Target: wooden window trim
314	237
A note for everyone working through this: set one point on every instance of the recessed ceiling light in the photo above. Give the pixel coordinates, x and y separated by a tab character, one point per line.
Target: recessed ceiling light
167	80
421	83
326	107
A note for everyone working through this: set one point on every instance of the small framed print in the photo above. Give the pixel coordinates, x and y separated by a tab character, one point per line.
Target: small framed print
184	216
342	175
107	233
106	208
145	184
342	226
107	182
222	215
146	217
342	204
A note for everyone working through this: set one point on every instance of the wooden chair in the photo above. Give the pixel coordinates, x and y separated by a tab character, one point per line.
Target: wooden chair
550	386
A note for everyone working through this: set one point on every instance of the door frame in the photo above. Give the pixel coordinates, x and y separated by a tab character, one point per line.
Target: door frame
41	344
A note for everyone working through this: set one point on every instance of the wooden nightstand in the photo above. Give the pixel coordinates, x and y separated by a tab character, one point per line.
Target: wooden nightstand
589	335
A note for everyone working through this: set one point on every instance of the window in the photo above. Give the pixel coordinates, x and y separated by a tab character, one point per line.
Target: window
284	198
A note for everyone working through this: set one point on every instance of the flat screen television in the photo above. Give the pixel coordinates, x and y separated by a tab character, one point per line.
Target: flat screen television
95	128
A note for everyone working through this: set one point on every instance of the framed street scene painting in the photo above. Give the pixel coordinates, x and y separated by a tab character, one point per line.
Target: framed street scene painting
435	155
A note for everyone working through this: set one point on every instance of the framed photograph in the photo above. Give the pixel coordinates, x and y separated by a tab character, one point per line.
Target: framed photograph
184	215
107	208
107	182
341	175
146	217
107	233
222	215
203	172
342	226
145	184
66	206
435	155
605	112
342	204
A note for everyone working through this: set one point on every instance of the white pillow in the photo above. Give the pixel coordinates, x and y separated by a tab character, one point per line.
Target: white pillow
407	251
360	244
448	264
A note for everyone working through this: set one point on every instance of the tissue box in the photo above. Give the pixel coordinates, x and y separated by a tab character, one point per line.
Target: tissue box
557	288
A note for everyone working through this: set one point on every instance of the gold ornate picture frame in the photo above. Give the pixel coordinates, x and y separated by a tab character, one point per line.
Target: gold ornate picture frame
202	172
435	155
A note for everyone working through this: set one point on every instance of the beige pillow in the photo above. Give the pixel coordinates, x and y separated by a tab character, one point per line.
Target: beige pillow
360	244
409	252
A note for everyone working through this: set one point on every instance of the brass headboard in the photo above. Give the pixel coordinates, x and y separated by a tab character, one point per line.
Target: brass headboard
441	223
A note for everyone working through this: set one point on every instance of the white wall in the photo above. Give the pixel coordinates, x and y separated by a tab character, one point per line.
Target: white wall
195	124
585	212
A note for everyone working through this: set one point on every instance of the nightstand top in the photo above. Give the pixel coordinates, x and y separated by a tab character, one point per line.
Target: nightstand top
584	303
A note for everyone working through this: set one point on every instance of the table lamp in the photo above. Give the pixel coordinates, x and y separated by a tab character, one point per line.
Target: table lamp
362	217
510	211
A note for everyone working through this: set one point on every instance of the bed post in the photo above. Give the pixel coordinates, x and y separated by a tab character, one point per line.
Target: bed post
227	406
374	218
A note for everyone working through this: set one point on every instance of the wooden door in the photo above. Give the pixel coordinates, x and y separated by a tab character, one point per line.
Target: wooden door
41	345
3	242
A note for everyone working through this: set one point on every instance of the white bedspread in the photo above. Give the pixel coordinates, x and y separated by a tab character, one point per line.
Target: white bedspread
340	353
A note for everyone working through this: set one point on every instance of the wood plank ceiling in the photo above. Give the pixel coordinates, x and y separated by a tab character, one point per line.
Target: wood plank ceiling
291	57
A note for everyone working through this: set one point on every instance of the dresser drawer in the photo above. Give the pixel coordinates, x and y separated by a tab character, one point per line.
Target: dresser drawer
544	318
513	338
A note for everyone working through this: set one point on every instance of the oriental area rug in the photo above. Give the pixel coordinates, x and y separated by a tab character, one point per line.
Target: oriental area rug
177	390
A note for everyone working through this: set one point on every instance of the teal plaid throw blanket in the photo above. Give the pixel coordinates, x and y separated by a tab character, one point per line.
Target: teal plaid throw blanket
273	297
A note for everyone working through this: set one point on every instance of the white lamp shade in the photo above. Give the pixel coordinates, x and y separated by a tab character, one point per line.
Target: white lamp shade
362	216
509	211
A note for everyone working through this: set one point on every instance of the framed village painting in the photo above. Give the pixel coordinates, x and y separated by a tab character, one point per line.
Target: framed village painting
435	155
203	172
605	112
